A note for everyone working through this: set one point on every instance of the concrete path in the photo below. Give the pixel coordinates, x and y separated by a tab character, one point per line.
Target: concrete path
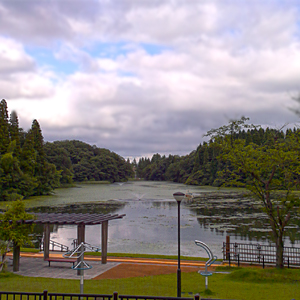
33	264
37	267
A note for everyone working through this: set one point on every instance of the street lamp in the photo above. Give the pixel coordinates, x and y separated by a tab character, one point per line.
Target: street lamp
178	197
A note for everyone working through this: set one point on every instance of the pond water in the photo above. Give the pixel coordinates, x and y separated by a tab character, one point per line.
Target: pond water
150	224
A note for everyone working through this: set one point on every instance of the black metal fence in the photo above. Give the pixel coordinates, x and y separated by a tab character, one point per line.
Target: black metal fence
22	296
64	296
260	254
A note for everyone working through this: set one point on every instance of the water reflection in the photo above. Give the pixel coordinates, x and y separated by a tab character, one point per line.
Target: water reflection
150	225
244	221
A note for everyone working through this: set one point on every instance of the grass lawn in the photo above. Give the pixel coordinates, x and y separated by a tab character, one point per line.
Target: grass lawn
245	283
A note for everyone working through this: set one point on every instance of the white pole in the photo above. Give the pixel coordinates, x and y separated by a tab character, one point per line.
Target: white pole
82	271
81	283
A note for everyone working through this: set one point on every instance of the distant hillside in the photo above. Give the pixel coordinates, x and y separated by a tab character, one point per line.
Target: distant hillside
79	161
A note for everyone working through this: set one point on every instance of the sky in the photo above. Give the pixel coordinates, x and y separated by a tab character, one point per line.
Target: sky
140	77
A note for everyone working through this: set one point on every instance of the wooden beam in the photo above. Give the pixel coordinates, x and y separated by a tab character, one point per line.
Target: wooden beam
80	239
104	228
46	240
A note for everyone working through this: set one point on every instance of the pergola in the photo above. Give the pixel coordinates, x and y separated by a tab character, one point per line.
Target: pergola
81	220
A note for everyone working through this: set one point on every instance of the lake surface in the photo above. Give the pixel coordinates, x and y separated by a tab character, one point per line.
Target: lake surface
150	224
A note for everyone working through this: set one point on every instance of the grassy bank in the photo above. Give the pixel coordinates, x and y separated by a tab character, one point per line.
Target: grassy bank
244	283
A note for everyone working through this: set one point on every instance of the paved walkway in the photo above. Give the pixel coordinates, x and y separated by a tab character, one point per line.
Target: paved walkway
37	267
33	264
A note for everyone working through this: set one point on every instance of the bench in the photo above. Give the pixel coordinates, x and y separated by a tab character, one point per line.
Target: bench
68	260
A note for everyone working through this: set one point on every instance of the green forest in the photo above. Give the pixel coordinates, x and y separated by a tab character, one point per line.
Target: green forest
31	167
206	165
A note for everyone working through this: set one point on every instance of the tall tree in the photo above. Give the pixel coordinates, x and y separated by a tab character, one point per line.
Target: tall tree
45	173
271	172
14	131
4	127
12	230
11	174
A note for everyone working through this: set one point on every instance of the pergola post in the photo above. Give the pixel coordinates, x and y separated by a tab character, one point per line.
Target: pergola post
80	239
104	227
46	240
16	257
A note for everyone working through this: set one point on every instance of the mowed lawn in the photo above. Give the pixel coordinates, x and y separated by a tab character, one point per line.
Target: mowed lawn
246	283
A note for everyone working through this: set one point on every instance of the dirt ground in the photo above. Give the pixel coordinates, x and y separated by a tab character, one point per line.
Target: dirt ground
125	270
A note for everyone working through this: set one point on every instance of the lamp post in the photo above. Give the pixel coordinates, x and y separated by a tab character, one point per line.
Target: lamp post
178	197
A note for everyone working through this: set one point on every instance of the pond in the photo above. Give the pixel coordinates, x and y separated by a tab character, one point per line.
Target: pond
150	224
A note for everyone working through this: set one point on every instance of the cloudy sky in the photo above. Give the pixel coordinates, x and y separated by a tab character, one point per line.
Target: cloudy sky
145	76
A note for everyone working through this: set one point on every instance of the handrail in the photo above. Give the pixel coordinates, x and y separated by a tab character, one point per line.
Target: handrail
54	244
93	248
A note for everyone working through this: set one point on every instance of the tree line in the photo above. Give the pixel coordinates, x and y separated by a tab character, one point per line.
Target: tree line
24	169
264	161
31	167
204	166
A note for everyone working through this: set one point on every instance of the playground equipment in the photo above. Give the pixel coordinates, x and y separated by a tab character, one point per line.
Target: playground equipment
81	265
210	261
94	248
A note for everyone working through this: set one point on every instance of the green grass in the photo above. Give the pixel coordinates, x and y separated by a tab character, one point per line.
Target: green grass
30	250
265	275
244	284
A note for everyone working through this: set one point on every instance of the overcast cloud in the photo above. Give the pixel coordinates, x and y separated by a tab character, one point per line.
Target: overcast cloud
141	77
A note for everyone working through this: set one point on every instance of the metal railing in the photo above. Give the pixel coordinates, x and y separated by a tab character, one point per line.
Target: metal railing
260	254
65	296
22	296
132	297
93	248
54	246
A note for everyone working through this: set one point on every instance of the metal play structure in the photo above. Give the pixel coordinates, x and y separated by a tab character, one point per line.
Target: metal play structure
81	265
210	261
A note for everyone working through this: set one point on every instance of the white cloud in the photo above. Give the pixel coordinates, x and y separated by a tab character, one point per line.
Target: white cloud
151	76
13	58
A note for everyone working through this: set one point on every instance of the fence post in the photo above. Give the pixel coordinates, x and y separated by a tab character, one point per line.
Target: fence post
238	255
197	297
115	295
45	296
227	247
288	261
263	261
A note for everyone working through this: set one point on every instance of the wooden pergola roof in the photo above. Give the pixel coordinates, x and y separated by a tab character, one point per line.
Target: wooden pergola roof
80	220
71	219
